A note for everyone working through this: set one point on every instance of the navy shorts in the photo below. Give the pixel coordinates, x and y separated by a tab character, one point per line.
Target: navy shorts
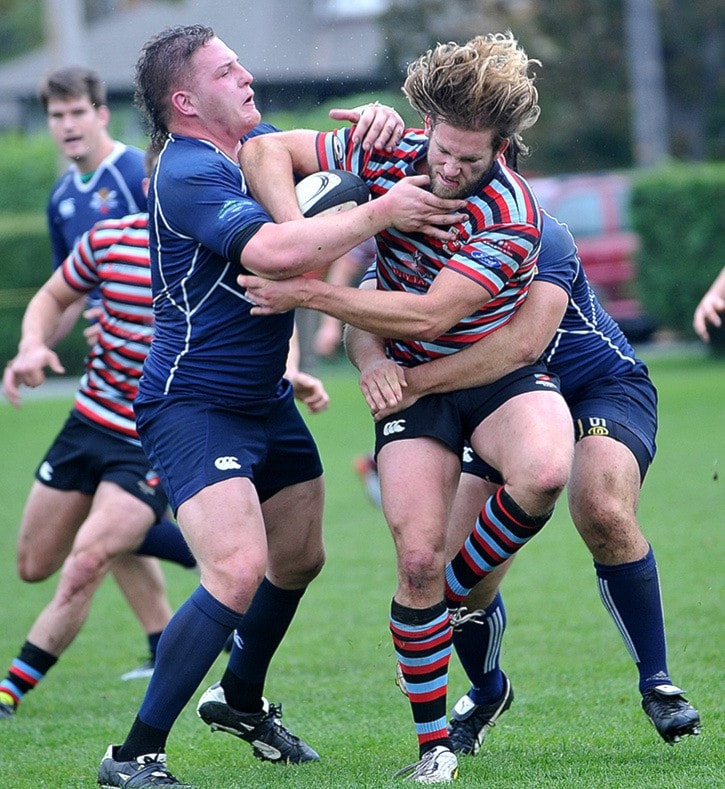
623	408
82	456
453	416
194	443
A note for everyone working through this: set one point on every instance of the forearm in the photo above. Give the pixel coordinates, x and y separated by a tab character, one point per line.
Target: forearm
281	251
363	349
395	315
269	165
519	342
42	322
477	365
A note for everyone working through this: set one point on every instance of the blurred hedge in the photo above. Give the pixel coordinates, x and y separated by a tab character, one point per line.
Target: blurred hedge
28	169
679	213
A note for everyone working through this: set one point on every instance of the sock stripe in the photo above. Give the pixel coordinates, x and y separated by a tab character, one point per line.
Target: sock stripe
609	604
496	627
6	686
424	651
25	672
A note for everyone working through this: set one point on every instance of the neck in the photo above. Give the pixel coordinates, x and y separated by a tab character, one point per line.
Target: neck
88	164
226	143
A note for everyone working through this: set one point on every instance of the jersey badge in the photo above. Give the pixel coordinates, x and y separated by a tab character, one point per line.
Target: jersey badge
104	200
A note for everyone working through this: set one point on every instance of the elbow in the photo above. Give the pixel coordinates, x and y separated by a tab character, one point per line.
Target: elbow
275	266
529	352
428	328
529	349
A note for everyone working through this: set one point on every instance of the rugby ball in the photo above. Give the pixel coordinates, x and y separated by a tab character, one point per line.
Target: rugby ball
331	191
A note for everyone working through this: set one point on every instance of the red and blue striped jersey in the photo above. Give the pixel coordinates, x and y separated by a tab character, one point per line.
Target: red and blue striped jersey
496	246
114	257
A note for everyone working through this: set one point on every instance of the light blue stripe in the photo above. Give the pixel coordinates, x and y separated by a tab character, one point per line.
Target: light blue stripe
429	727
29	670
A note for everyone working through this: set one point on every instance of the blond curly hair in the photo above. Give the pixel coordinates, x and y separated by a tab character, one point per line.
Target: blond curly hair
484	84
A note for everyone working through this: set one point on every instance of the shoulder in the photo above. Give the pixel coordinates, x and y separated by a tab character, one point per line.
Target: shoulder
61	185
260	128
556	239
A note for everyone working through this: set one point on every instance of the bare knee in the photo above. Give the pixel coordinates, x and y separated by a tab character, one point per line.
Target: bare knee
537	491
420	571
85	567
610	531
303	572
33	569
233	583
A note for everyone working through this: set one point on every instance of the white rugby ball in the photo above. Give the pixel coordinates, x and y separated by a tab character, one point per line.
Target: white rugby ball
331	191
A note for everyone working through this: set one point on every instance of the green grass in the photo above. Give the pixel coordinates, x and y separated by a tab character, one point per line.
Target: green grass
576	720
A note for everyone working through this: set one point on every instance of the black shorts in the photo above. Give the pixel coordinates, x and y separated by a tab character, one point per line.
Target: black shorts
82	456
452	417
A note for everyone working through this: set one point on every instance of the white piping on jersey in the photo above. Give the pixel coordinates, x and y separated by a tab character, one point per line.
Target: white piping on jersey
590	323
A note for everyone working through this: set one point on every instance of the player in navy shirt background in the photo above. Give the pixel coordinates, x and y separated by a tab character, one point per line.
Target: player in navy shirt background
104	177
214	413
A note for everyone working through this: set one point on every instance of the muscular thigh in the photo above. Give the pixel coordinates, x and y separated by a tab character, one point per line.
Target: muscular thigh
224	527
117	522
528	431
48	527
293	524
418	479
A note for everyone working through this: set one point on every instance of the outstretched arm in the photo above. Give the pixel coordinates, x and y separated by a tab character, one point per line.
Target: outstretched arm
398	314
40	324
519	342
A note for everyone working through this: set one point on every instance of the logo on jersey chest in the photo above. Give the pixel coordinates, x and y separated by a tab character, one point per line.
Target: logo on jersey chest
460	236
67	208
104	200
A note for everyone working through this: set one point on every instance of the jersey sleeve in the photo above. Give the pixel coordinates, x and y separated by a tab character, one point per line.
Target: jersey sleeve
494	255
80	270
558	258
223	218
58	247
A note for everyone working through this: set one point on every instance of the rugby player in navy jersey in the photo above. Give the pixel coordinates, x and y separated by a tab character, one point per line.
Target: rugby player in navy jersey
214	413
432	299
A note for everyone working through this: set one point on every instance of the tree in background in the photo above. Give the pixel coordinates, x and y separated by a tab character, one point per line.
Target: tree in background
583	83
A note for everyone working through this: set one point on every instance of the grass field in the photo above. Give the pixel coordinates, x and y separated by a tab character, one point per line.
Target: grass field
576	720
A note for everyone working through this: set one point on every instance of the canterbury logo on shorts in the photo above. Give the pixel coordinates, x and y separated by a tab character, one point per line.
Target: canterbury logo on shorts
396	426
226	463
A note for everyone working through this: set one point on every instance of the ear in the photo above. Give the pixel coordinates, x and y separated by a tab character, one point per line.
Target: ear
145	186
428	125
182	101
502	148
104	114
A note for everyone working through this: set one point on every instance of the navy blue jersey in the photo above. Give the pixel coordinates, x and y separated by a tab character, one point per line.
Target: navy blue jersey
113	191
205	341
588	345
